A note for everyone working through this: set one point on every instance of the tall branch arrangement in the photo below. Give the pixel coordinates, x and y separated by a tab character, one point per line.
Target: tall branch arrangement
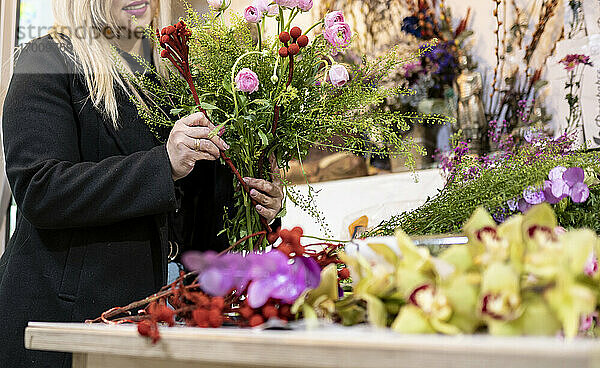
272	98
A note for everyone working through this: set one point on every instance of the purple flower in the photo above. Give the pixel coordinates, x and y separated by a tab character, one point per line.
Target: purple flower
338	35
523	205
333	18
512	204
557	173
571	61
217	275
305	5
265	275
246	80
273	9
273	277
555	190
261	5
533	195
573	175
580	192
252	14
338	75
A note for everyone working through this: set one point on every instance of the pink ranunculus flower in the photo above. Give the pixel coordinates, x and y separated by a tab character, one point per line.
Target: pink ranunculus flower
338	75
305	5
287	3
246	81
333	18
338	35
261	5
273	9
216	4
252	14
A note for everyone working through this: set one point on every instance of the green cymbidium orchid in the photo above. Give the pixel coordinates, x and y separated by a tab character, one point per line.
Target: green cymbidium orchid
571	300
319	302
500	296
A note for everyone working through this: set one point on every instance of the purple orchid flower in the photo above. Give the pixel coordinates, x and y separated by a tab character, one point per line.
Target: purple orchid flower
265	275
218	275
273	277
566	183
533	195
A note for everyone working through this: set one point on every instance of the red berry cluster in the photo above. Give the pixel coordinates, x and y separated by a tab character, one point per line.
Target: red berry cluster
208	312
298	41
272	309
157	311
290	242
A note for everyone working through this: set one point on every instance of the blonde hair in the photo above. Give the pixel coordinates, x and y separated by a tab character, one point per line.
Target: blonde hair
84	21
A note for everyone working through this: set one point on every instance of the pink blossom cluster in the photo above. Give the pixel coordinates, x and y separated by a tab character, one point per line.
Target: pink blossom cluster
259	8
337	31
571	61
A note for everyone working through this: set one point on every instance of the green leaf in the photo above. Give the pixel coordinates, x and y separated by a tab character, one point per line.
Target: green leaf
227	84
263	137
176	111
207	106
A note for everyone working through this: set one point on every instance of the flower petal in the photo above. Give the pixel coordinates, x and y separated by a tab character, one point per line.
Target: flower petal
573	175
557	173
580	192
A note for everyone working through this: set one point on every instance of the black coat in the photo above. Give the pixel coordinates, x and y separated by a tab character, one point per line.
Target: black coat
94	204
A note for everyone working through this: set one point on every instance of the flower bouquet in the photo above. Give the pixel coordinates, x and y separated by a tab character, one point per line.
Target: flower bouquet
271	98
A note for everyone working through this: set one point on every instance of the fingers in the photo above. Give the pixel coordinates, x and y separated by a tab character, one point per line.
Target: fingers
268	213
197	145
204	133
265	187
197	119
263	199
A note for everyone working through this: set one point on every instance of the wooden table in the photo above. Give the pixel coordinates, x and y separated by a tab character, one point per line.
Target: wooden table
181	347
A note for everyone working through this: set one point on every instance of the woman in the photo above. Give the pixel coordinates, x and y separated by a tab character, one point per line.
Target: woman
94	188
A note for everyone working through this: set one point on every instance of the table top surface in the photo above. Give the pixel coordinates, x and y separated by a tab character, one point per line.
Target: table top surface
318	347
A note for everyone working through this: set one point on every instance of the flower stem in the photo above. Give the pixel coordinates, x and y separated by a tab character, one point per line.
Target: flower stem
314	25
259	36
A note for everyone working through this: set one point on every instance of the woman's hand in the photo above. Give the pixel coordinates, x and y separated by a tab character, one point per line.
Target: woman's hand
189	142
268	195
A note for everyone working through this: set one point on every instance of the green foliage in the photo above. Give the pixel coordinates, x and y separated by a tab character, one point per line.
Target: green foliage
452	206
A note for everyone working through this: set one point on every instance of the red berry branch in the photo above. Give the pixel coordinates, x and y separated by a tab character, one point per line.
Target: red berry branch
298	41
174	42
190	305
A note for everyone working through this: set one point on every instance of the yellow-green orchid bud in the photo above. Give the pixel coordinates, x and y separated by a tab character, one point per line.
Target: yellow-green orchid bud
479	220
407	280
